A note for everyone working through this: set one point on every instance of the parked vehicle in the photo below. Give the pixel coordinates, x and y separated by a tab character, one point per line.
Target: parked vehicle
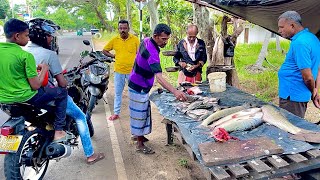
79	32
26	140
75	90
95	78
94	31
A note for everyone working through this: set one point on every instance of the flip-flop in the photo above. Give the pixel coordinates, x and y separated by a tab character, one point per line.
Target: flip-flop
67	137
145	150
99	157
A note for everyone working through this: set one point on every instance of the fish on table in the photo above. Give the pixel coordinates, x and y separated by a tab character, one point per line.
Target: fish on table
272	116
196	113
253	117
243	113
220	114
241	123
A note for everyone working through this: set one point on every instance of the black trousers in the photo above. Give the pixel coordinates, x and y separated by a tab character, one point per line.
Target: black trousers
296	108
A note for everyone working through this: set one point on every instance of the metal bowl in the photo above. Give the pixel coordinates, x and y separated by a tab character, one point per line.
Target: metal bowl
172	69
169	53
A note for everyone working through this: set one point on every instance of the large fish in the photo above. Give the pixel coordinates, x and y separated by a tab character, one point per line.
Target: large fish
242	123
220	114
272	116
245	112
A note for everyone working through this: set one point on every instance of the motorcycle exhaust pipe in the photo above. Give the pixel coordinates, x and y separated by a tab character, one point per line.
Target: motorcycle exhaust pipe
58	150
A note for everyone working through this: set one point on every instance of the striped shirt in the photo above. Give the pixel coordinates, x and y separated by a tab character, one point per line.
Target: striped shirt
146	65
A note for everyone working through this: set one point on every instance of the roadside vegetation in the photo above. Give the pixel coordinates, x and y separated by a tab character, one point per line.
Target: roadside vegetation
263	85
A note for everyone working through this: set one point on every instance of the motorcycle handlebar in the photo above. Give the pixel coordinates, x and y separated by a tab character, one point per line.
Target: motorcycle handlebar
98	55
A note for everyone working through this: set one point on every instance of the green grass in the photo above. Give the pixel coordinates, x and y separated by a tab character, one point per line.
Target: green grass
264	85
183	162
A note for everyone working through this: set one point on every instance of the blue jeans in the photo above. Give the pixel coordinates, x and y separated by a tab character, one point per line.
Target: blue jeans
119	82
48	94
75	113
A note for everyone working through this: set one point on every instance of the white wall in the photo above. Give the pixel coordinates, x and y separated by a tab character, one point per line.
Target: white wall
256	34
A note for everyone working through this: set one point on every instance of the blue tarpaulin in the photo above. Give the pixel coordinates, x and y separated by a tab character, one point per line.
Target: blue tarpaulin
194	135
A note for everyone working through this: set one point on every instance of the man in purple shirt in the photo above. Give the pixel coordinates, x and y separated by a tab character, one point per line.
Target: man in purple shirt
146	68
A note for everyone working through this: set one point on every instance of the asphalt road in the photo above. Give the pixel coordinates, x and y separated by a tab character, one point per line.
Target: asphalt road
106	138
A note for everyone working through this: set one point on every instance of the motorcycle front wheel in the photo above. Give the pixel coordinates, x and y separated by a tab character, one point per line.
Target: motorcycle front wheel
92	102
26	163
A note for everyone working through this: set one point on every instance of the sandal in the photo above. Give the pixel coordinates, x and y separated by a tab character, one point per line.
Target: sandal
99	156
114	117
145	150
67	137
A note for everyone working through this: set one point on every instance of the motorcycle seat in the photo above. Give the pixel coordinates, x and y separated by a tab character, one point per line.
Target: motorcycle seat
19	109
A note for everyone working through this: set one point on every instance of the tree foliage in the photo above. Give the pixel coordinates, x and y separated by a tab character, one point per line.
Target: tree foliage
74	14
4	8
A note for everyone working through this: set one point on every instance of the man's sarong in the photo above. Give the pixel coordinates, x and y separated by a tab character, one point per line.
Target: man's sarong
140	113
183	78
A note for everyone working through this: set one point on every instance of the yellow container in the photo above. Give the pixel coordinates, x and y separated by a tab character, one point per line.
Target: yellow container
217	81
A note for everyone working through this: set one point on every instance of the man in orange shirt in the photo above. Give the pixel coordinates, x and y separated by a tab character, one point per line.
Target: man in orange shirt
125	46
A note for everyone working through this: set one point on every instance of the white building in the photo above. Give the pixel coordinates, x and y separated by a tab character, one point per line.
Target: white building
254	34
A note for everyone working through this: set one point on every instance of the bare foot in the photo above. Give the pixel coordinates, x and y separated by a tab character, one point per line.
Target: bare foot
59	135
114	117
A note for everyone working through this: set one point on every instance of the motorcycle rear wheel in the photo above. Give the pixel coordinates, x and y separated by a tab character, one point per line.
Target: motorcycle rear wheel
15	168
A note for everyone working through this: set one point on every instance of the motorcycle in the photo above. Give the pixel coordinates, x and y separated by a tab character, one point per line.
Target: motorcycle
75	90
26	139
94	78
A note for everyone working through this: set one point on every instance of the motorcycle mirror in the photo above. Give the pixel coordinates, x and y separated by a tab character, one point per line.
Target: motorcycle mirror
86	42
84	53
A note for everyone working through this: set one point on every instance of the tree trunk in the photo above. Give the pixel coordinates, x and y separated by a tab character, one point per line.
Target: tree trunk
263	51
154	15
218	58
278	47
101	18
205	26
129	17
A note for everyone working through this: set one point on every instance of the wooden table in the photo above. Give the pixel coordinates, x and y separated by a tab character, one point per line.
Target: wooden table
259	168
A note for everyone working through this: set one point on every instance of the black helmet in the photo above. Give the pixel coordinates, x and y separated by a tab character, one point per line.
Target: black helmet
39	29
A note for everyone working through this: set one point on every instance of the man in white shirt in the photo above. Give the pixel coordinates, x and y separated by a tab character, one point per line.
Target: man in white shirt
191	56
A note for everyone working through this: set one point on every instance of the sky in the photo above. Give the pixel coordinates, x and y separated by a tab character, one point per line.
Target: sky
18	1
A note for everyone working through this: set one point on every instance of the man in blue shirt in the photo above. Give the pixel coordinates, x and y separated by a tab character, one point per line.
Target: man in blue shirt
299	72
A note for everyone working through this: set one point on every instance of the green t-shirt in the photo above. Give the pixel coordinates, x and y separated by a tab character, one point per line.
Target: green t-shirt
16	66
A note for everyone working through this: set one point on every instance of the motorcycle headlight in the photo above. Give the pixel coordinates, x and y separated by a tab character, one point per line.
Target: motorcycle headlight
94	79
106	75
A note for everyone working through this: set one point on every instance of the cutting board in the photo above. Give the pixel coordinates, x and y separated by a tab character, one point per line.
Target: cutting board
230	152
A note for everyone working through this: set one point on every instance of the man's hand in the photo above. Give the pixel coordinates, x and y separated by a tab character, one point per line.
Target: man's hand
43	67
193	67
182	64
315	98
180	95
201	63
107	53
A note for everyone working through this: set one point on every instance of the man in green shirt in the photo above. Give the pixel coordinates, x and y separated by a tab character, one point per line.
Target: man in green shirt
19	80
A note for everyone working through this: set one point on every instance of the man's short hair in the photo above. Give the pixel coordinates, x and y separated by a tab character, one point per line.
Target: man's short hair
162	28
291	15
192	25
123	22
14	26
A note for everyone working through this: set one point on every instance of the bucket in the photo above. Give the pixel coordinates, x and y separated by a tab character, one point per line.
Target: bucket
217	81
